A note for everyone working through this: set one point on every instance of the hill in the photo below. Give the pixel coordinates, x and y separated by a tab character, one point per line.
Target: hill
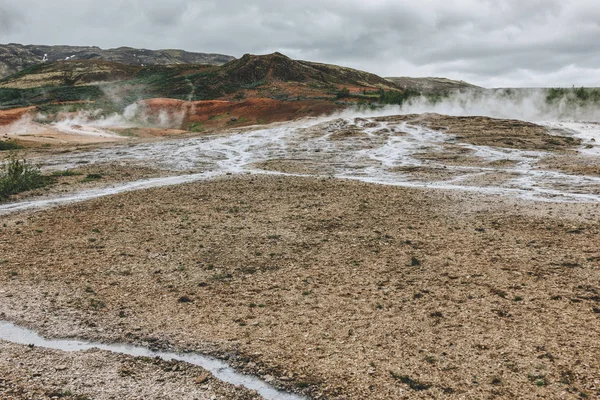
16	57
430	85
276	66
273	76
70	73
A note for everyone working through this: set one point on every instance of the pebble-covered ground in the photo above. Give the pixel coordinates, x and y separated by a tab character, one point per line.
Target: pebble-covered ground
34	373
339	289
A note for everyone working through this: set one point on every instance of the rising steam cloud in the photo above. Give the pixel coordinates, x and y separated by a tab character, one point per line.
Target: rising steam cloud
523	104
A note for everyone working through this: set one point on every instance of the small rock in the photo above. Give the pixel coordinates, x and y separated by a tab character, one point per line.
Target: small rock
202	378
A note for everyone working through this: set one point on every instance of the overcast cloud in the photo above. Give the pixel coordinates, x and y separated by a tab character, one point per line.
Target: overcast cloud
492	43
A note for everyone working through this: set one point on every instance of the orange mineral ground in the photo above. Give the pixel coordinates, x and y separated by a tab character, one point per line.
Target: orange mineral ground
213	114
11	116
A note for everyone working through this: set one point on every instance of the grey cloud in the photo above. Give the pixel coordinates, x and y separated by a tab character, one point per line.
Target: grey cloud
534	42
9	18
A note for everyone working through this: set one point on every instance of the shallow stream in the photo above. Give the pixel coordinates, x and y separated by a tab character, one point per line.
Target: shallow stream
220	369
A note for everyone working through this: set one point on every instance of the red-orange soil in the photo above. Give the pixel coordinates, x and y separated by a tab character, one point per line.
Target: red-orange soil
219	113
8	117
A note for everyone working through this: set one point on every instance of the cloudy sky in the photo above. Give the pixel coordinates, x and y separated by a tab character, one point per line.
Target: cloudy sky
493	43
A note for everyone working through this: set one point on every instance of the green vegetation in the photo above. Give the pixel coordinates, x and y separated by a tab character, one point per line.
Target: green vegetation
578	96
195	127
97	304
34	96
343	93
66	173
254	85
91	178
18	176
397	97
539	380
129	132
9	145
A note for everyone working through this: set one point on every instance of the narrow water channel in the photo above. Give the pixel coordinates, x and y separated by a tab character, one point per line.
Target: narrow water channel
220	369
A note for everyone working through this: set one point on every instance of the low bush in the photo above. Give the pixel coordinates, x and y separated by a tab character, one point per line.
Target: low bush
19	176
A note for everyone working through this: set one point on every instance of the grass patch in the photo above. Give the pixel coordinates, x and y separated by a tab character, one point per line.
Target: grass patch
97	304
18	176
66	173
92	178
195	127
9	145
129	132
538	380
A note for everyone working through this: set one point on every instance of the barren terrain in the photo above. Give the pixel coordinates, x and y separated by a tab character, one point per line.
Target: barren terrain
344	258
338	286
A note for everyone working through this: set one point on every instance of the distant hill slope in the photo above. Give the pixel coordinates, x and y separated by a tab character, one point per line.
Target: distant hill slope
16	57
276	66
70	73
274	76
430	85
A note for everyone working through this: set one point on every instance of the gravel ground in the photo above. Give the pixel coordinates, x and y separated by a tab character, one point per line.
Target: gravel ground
341	289
35	373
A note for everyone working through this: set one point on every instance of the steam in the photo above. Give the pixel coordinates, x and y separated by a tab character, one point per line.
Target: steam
134	115
523	104
93	118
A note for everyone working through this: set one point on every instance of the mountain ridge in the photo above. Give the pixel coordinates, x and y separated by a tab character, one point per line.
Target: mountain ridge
430	85
16	57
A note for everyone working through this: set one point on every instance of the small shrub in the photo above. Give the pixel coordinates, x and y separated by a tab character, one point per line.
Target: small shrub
343	93
18	176
97	304
496	381
539	380
184	299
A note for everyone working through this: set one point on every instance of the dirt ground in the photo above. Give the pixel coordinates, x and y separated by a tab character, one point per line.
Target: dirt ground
485	131
91	176
159	118
339	289
35	373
